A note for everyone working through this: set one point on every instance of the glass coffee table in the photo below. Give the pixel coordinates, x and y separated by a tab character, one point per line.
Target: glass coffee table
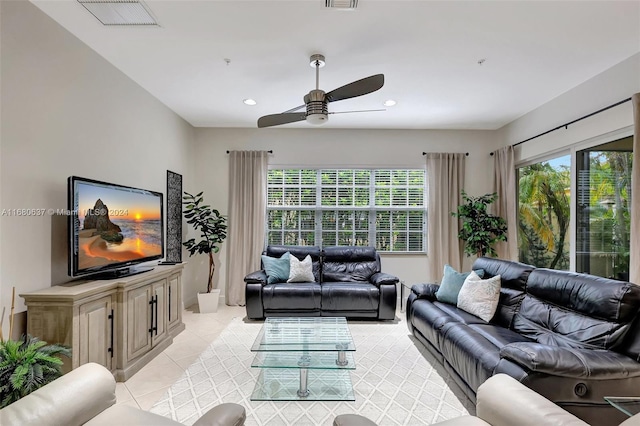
304	359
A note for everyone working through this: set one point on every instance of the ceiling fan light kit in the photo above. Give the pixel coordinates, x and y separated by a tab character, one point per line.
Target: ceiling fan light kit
317	109
316	101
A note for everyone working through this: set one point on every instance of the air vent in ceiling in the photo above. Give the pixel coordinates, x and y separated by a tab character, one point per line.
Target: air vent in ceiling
341	4
119	12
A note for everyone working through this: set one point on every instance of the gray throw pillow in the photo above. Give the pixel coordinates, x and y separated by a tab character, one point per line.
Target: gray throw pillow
451	284
277	269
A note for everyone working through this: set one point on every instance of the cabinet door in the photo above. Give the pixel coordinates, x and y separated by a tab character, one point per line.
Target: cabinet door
138	321
174	310
159	292
96	327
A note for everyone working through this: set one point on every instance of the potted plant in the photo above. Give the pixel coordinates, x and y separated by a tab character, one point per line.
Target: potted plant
213	231
26	365
480	229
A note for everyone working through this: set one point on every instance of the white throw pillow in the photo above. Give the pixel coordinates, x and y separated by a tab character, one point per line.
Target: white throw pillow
480	297
300	271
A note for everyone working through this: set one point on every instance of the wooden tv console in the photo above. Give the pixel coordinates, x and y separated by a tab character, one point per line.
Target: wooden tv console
121	323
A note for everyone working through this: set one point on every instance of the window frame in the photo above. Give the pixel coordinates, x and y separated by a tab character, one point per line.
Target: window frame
372	208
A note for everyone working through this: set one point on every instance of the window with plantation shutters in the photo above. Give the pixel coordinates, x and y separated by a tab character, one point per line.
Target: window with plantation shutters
326	207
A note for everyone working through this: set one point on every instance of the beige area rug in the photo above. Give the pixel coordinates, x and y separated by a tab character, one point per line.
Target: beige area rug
394	383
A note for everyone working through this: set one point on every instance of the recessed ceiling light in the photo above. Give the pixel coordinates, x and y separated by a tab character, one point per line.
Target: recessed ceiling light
389	102
249	102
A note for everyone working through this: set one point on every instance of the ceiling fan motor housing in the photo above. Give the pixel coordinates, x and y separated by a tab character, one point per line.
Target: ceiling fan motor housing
317	110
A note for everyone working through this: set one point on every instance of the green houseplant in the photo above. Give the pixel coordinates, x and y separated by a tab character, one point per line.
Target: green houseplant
26	365
213	231
480	229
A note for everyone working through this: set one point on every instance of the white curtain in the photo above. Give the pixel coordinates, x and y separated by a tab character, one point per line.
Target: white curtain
634	264
445	173
247	209
504	184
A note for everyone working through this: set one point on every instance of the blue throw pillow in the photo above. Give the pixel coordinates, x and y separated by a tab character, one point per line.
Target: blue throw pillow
277	269
451	284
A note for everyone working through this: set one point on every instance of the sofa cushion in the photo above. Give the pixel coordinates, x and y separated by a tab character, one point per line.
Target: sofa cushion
300	252
514	276
569	362
451	284
576	310
471	355
277	268
480	297
340	296
300	271
283	296
593	296
429	320
498	335
349	264
458	314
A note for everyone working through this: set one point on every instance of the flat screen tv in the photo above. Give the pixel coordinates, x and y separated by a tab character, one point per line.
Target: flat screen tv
112	228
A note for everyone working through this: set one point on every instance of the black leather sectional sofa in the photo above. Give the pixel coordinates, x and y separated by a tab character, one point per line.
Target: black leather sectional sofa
573	338
348	283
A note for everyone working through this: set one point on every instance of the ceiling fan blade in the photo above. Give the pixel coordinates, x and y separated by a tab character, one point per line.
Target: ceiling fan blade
294	109
360	110
357	88
278	119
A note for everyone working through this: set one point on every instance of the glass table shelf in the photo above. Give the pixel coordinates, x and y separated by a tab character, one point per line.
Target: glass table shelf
284	384
628	405
304	334
310	360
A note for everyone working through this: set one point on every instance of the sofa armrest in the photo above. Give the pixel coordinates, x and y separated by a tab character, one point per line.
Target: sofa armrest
253	300
72	399
257	277
504	401
425	291
381	278
570	362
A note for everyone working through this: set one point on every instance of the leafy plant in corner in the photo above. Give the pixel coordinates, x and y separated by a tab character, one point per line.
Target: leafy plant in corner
480	229
26	365
212	226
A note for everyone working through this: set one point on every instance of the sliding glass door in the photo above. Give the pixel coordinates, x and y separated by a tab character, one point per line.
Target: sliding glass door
601	182
544	213
602	208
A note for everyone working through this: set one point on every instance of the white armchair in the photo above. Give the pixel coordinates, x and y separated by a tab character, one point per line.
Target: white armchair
87	396
502	401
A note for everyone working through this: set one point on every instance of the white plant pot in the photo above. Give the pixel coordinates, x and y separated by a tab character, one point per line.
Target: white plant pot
208	302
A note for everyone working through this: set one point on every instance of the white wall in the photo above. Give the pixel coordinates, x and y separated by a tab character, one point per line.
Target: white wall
67	111
607	88
340	148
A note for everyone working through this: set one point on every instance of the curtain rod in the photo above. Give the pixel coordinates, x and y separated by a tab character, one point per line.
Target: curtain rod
566	125
270	151
425	153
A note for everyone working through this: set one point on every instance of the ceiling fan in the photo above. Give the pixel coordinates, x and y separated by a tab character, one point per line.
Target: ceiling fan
316	101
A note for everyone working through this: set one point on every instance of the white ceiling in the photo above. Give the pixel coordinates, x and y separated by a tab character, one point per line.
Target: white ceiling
427	50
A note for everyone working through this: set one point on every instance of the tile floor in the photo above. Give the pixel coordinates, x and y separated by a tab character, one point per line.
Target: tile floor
148	385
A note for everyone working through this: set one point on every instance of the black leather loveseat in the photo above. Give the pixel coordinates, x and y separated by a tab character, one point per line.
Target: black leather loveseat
348	283
573	338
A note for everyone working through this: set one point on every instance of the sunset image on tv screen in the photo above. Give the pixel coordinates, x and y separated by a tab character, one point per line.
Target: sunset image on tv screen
116	225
